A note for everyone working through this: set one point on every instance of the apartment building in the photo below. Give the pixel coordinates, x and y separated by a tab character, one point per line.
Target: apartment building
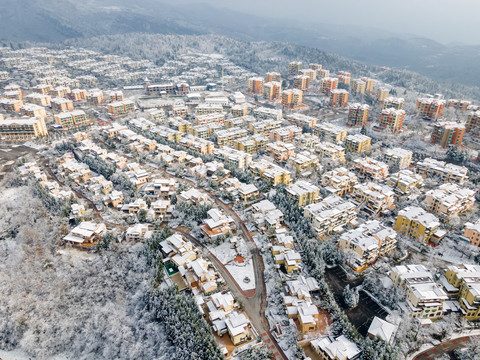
218	118
286	257
398	158
120	108
419	224
369	242
233	158
369	168
272	91
20	129
302	120
376	199
263	113
61	104
79	95
328	84
391	120
60	92
344	77
449	199
115	95
272	173
330	152
281	151
38	99
473	123
68	120
264	127
255	85
446	172
430	109
292	99
294	67
358	86
304	162
447	133
425	300
316	67
32	110
368	84
338	98
393	102
330	215
357	114
43	89
204	108
382	94
464	281
405	181
458	104
247	145
273	76
301	82
330	132
228	136
285	134
339	181
239	110
11	105
303	193
95	97
312	74
357	143
472	233
404	276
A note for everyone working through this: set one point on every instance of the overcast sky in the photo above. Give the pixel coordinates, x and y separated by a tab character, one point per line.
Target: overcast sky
442	20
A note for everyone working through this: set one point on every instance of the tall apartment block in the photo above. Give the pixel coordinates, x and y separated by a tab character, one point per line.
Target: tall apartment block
473	122
357	114
328	84
430	109
273	76
338	98
301	82
368	84
391	119
358	86
292	99
448	133
393	102
272	90
344	77
382	94
255	85
294	67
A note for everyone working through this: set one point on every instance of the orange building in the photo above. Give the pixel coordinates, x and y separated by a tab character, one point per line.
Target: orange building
430	109
312	74
329	84
459	104
338	98
448	133
301	82
255	85
358	86
292	99
393	102
357	114
272	90
273	76
391	119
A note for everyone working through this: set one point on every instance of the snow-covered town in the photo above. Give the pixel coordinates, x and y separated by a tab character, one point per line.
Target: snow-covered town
309	212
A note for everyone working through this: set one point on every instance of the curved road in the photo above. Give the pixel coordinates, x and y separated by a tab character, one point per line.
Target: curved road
439	350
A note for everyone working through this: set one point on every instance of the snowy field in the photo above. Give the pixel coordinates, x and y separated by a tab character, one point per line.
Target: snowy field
241	271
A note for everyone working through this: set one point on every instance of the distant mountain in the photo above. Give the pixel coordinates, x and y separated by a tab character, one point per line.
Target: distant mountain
57	20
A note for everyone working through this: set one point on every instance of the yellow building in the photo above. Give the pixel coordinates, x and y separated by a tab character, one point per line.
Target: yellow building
405	181
294	67
357	143
303	192
274	174
382	94
68	120
418	224
120	108
449	199
330	132
358	86
465	284
22	128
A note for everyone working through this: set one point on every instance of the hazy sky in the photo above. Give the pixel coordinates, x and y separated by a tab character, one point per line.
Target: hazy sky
442	20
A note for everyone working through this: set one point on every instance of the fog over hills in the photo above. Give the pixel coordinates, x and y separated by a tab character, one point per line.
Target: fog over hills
55	20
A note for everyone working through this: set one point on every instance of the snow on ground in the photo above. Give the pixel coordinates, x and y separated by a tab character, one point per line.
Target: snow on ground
36	146
241	271
224	252
21	355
